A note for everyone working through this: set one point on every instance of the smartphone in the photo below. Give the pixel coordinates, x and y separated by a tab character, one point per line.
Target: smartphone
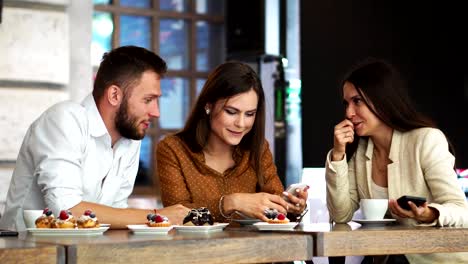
4	232
292	189
403	201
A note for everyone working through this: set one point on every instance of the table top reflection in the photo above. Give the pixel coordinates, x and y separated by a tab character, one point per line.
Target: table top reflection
228	246
353	239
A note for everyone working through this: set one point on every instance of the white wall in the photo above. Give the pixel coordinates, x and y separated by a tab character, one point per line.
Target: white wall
44	51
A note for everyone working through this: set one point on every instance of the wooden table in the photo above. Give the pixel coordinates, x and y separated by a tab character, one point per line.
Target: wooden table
13	250
354	240
229	246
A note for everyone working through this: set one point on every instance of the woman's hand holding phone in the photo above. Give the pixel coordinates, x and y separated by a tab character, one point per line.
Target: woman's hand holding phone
343	134
422	213
296	195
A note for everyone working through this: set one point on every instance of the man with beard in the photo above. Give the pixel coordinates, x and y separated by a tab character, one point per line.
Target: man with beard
85	156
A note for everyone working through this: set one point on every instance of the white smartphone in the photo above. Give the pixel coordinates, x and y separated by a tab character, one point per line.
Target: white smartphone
292	189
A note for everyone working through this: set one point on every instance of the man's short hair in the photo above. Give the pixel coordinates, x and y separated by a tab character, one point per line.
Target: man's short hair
124	66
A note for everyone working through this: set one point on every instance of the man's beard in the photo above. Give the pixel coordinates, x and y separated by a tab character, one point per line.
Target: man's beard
127	125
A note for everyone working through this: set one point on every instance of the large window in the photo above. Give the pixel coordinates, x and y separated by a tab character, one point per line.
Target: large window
187	34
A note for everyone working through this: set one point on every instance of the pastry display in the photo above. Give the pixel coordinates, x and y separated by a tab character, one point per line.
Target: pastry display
199	217
87	220
157	220
274	217
46	219
65	220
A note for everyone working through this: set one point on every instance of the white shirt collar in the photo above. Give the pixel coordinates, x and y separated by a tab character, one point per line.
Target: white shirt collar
97	126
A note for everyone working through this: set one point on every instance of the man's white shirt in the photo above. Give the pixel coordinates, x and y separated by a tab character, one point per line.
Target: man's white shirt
66	157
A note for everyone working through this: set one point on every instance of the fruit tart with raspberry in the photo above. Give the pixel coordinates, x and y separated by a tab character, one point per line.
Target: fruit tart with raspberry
65	220
275	217
46	219
157	220
88	220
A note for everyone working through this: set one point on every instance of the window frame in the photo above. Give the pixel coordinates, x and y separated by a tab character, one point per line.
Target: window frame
191	74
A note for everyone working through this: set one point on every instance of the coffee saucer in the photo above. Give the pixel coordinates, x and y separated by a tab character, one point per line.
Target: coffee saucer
374	222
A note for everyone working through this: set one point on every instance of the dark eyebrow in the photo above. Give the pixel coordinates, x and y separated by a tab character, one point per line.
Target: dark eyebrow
152	95
253	110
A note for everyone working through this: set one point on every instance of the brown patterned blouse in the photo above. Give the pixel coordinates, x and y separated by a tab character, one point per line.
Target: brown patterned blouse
186	179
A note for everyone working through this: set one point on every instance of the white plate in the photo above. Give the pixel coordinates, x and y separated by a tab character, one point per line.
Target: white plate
271	227
67	232
144	229
201	229
374	222
246	221
104	225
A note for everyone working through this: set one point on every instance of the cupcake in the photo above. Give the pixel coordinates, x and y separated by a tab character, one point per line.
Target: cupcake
157	220
274	217
87	220
199	217
65	220
46	219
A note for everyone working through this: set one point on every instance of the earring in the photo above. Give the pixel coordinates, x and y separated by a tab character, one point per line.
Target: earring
207	110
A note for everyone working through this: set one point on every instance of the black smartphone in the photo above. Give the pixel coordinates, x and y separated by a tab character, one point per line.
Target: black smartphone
403	201
4	232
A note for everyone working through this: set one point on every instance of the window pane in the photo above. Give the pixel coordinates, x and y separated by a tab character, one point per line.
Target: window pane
173	43
209	45
135	30
174	103
210	7
103	26
144	176
136	3
200	83
174	5
102	2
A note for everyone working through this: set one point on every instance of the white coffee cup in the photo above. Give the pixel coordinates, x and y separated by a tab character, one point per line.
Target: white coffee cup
30	217
374	209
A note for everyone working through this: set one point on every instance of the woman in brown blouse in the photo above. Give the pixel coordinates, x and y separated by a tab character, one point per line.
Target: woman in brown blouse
221	160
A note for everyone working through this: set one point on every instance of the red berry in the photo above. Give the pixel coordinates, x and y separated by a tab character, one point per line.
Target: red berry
158	219
45	210
87	212
281	217
63	215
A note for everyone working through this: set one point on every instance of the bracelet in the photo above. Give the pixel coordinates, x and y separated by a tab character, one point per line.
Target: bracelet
221	206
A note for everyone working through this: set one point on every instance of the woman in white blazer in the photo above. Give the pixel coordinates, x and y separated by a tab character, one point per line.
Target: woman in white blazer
385	149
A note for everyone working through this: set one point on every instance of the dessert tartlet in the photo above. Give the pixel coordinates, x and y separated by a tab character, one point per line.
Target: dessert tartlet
274	217
199	217
87	220
46	219
157	220
65	220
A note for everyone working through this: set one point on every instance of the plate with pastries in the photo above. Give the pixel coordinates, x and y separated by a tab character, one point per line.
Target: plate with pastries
156	224
276	221
66	224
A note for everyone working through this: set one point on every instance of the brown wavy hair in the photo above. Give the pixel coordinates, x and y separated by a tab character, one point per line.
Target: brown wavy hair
227	80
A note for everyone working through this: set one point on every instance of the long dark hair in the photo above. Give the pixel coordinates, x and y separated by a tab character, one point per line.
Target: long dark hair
380	84
227	80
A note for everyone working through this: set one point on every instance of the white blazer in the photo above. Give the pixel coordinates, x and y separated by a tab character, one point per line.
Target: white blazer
421	165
